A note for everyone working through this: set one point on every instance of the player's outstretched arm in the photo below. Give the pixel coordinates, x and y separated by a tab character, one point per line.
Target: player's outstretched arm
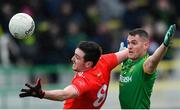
56	95
122	54
61	95
151	63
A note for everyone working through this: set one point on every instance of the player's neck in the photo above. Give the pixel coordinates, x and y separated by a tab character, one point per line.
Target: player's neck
79	73
137	58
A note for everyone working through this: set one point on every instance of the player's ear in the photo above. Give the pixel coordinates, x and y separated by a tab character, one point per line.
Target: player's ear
89	64
146	44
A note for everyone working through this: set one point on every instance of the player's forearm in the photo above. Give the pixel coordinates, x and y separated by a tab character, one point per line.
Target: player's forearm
61	95
158	54
122	55
151	63
56	95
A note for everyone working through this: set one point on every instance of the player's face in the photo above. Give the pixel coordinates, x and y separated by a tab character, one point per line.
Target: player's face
78	61
137	47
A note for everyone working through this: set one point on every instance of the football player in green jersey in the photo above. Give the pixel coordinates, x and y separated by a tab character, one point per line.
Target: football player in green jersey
139	70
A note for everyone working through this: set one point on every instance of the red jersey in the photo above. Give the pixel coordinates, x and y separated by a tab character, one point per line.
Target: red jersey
92	85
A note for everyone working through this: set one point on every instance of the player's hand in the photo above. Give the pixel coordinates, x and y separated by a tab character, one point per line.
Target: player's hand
121	46
169	35
32	91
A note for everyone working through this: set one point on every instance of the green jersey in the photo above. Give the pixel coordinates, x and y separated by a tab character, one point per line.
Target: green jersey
135	85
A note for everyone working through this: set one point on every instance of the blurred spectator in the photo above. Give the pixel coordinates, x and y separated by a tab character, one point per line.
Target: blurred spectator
163	10
103	37
73	36
67	14
133	15
110	9
148	26
92	18
6	12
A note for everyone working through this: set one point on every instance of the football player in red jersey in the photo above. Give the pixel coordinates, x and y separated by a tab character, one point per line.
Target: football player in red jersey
88	88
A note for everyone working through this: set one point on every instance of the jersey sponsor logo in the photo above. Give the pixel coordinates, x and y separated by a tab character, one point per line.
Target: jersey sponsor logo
125	79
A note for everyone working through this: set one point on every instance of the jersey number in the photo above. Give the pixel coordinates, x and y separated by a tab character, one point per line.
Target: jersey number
101	95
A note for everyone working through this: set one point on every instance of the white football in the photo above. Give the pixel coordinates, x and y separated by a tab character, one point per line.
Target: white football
21	25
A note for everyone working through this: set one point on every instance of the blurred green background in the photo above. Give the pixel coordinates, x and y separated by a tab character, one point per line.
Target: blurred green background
61	24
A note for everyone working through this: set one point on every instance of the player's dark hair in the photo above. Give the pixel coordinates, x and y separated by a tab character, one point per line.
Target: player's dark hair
140	32
92	51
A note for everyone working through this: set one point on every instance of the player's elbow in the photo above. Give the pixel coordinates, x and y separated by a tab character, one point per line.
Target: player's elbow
66	95
149	68
63	96
62	99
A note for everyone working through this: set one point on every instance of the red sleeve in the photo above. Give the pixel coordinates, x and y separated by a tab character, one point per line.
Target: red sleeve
111	60
81	85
